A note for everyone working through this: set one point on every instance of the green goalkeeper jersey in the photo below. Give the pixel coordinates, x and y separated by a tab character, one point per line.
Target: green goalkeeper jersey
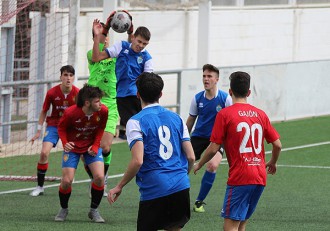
102	74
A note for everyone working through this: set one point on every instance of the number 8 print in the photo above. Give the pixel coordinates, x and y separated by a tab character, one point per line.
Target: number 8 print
166	148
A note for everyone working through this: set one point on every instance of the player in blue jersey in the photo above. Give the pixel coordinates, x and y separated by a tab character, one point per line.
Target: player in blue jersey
204	107
132	60
162	157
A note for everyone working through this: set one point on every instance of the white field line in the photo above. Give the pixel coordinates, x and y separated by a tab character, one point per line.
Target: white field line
302	166
56	185
224	159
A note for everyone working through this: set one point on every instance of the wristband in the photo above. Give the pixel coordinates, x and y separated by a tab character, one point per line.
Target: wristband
39	127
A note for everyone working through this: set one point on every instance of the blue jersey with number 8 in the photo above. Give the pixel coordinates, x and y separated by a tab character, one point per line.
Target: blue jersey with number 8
165	167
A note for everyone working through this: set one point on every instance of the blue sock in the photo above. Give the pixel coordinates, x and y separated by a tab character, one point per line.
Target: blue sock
206	185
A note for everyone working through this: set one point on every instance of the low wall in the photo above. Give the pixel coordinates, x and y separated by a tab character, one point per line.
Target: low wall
284	91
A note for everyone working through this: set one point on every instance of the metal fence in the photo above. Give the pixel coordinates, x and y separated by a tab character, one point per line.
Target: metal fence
17	99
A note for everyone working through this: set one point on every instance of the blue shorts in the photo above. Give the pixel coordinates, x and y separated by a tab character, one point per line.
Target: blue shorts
71	159
241	201
51	135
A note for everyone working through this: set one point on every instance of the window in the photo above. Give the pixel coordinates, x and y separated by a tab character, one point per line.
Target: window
83	3
265	2
223	3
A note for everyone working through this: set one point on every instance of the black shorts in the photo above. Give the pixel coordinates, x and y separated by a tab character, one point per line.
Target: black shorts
164	212
199	145
127	107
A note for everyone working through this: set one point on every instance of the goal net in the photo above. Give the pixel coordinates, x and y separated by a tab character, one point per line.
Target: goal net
33	47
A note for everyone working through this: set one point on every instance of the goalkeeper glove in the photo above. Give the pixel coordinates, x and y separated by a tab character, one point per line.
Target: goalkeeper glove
107	25
130	29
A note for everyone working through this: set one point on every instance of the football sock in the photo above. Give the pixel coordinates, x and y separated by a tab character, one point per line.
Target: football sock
107	157
41	173
106	167
97	194
64	197
206	185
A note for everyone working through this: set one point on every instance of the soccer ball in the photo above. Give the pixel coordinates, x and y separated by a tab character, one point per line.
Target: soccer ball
120	22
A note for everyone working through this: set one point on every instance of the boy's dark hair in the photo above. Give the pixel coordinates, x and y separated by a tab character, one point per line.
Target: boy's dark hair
67	68
143	32
149	86
212	68
88	93
240	83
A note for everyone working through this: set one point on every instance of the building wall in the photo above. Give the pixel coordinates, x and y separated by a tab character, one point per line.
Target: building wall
237	37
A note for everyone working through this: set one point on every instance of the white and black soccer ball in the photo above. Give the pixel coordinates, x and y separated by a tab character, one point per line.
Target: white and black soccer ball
120	22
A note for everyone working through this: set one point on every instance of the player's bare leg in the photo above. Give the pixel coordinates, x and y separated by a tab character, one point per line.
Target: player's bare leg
230	225
242	225
97	169
106	143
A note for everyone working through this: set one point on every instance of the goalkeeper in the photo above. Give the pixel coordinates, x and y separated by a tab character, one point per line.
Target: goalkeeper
132	60
102	74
